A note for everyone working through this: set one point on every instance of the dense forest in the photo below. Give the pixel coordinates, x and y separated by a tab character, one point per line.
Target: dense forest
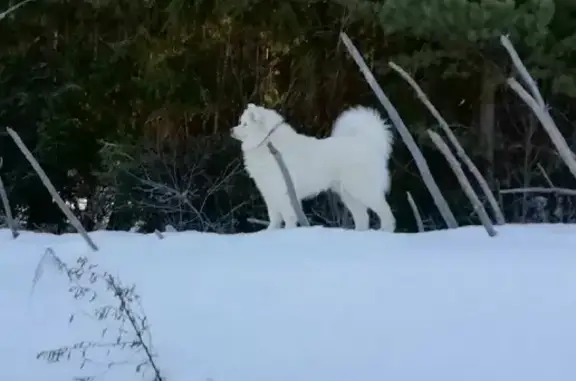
128	104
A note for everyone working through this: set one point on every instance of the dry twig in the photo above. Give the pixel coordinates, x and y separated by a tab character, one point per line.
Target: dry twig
543	172
257	221
416	213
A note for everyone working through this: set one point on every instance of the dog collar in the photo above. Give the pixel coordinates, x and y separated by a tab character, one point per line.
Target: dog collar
270	133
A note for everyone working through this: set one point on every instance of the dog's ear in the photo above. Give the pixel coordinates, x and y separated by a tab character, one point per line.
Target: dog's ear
254	115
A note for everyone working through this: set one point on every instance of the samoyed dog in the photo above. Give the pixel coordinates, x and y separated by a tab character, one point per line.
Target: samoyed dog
352	162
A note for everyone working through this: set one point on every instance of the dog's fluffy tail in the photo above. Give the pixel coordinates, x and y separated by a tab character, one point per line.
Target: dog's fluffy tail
366	123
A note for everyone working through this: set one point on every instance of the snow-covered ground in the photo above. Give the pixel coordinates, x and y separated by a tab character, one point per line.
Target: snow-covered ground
306	305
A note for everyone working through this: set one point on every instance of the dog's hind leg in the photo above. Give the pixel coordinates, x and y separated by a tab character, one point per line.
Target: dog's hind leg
375	199
357	209
387	219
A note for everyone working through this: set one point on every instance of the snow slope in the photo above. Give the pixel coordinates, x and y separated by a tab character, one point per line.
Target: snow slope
308	305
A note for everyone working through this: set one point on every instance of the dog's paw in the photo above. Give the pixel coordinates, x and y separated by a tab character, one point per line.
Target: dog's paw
388	226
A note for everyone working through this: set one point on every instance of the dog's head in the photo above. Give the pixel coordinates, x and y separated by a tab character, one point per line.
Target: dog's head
256	124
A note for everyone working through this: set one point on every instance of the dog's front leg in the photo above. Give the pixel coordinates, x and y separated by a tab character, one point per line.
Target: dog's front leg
291	221
274	217
289	215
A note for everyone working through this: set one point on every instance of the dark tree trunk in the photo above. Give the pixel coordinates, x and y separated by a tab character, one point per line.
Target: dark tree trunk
487	121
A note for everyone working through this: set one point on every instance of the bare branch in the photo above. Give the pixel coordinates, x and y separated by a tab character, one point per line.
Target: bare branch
182	190
417	215
472	196
302	220
499	216
125	308
128	312
421	163
561	191
167	194
550	183
50	187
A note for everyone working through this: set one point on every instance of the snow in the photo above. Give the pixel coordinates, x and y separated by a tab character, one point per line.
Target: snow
306	304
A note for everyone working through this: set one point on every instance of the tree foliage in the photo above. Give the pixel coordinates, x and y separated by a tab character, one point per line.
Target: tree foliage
111	94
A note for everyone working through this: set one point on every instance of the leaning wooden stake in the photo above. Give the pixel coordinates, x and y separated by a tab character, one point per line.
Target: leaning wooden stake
524	74
499	216
461	176
439	200
536	103
50	187
296	205
6	203
13	8
257	221
416	213
560	191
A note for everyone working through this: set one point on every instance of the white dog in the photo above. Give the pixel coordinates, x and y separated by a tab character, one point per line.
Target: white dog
353	162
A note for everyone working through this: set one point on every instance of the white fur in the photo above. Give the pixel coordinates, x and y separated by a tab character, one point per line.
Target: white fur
353	162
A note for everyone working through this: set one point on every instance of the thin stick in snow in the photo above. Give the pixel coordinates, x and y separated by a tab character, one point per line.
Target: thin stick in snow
499	216
545	175
257	221
6	203
50	187
472	196
421	163
416	213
